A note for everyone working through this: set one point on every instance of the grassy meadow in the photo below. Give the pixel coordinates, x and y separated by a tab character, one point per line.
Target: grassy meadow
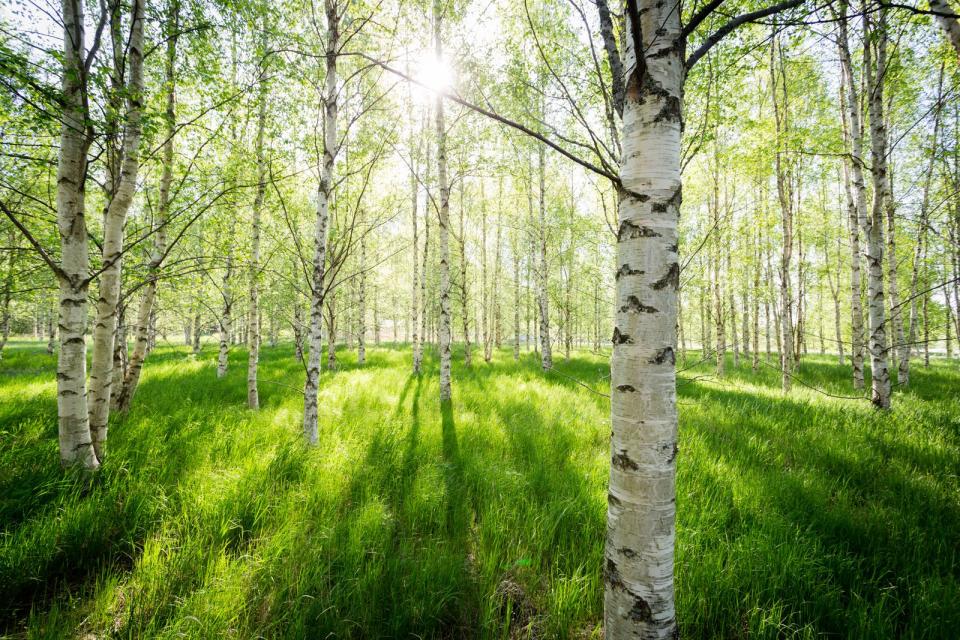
799	517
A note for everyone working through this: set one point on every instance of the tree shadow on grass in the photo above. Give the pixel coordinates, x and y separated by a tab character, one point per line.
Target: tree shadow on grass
818	468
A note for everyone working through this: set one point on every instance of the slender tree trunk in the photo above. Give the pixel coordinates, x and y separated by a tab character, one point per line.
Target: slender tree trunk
332	330
464	284
946	18
415	304
52	331
253	357
785	194
641	511
105	325
515	249
920	252
756	301
198	329
732	304
8	290
873	231
362	309
223	355
445	386
76	443
425	312
134	367
484	288
546	350
324	193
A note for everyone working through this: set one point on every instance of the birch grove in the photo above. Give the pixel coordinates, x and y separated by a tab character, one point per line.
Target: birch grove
765	192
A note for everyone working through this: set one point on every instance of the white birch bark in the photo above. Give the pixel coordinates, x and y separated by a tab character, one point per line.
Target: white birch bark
311	386
516	298
946	18
415	305
920	251
425	311
105	325
226	320
856	192
484	288
464	285
8	290
546	350
131	378
639	561
76	443
785	196
253	353
52	331
873	230
444	221
362	308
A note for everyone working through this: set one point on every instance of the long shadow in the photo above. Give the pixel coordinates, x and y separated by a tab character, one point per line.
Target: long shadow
458	505
856	498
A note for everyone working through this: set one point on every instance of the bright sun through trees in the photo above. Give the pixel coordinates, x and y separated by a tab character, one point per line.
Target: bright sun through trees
553	319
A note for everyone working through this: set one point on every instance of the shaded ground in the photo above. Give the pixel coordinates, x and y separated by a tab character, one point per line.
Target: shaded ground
798	516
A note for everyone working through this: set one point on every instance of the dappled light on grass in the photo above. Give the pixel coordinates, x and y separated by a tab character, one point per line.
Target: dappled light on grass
799	515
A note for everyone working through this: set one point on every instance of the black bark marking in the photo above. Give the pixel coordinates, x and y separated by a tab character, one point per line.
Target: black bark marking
670	111
625	270
627	552
613	500
612	575
672	277
673	454
621	338
624	462
635	306
631	231
640	612
626	388
664	355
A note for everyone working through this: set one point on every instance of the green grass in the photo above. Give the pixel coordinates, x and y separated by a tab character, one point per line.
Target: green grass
799	516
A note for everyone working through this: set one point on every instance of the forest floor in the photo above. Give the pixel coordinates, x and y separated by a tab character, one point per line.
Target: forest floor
798	516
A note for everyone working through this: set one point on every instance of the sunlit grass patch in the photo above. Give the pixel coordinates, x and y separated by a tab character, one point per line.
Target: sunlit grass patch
799	515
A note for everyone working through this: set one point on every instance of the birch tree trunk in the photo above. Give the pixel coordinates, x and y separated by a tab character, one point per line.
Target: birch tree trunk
8	290
418	356
253	354
311	386
484	288
638	570
445	390
946	17
873	231
856	193
52	331
332	329
756	301
919	256
362	308
223	356
464	286
785	194
105	325
135	364
415	304
546	351
76	443
516	298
